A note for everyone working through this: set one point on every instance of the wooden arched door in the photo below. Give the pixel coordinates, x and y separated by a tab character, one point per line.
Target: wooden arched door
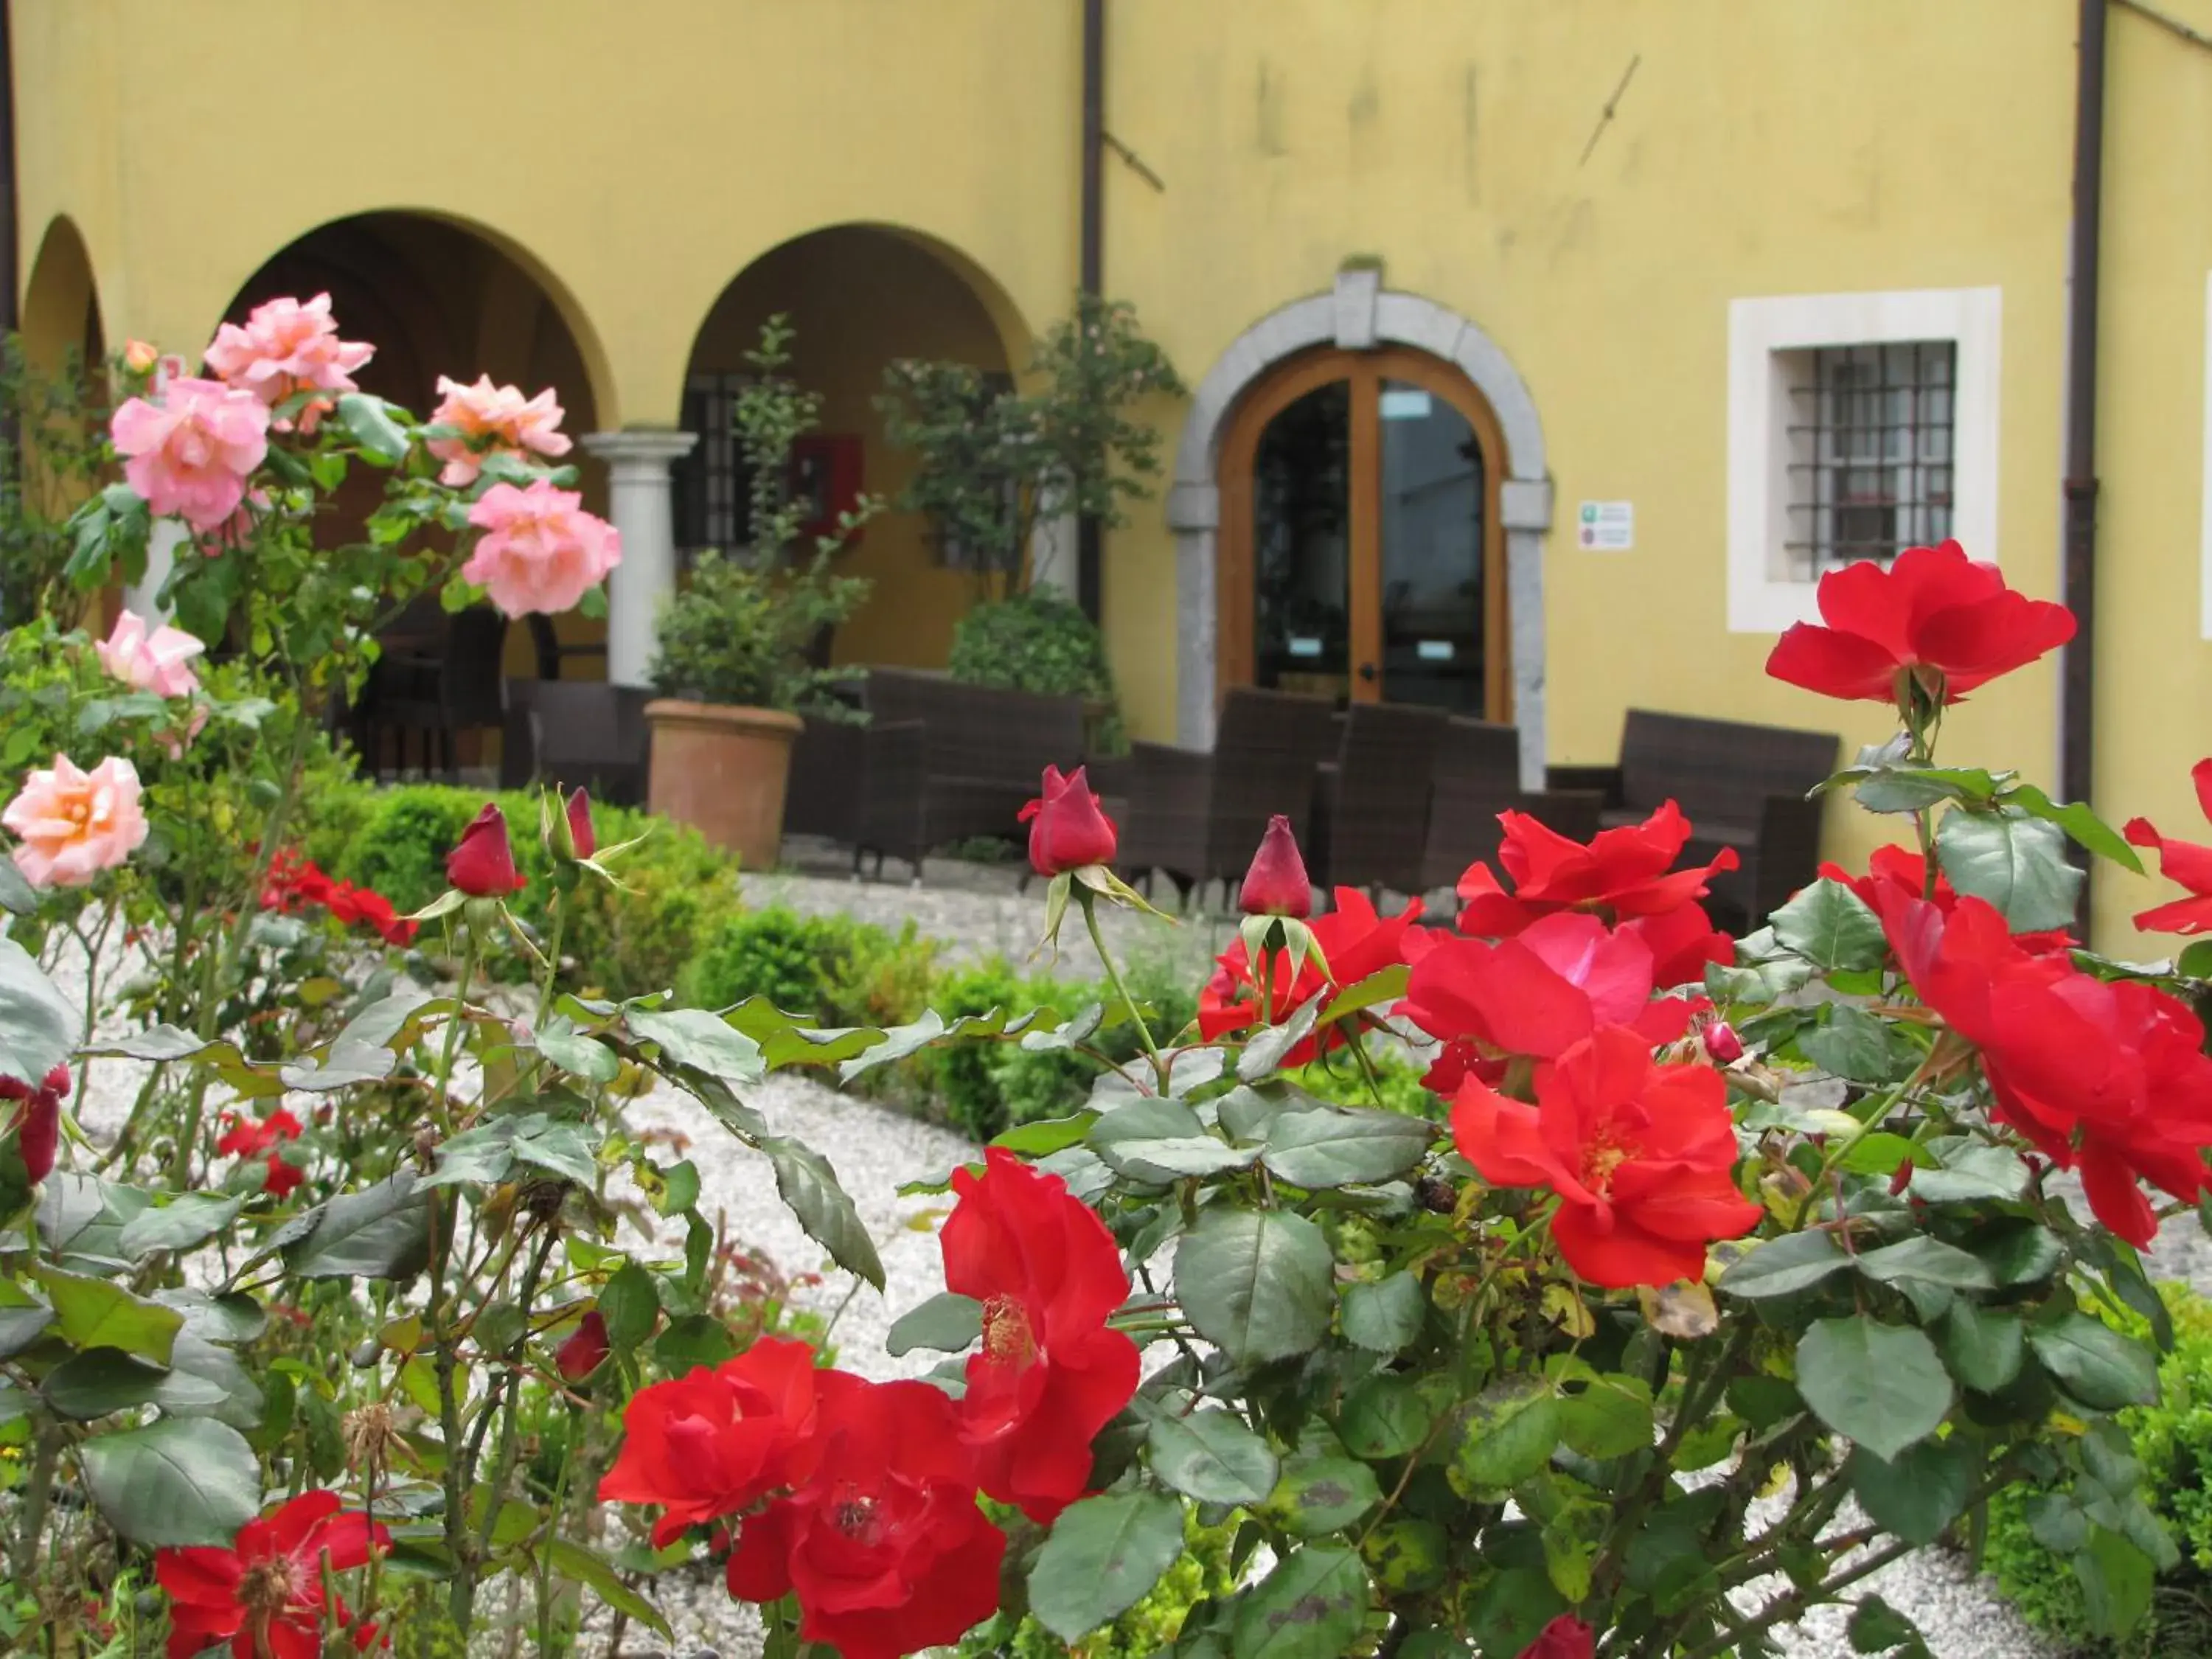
1361	554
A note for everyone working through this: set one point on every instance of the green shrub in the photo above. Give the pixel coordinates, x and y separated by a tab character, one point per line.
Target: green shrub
1039	641
829	968
1149	1627
2173	1441
961	1081
1397	1084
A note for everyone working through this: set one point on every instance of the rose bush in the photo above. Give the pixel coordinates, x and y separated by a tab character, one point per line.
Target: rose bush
349	1322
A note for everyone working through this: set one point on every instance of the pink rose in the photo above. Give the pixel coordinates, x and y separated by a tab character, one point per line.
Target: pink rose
287	348
159	661
540	550
492	420
190	454
73	823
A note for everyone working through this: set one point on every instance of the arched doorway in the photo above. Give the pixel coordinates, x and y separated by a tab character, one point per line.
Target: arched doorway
858	296
1361	553
1436	351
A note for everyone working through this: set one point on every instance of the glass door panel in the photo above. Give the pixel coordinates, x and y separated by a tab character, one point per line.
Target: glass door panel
1302	545
1432	497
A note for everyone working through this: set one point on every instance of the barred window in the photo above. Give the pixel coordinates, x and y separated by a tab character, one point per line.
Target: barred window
712	494
1870	448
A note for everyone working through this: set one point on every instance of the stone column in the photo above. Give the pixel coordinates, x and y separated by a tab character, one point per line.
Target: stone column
161	544
643	508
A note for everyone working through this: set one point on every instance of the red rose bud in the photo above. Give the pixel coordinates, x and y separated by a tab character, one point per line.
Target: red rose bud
580	824
482	866
1566	1638
39	1135
581	1354
1722	1044
58	1083
1276	884
1067	828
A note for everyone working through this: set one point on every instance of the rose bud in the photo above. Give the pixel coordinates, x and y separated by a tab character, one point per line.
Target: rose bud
139	357
580	826
1722	1044
1566	1638
482	866
1067	828
1276	884
582	1353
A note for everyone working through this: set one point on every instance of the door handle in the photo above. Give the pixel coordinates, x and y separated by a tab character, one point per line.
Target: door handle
1367	671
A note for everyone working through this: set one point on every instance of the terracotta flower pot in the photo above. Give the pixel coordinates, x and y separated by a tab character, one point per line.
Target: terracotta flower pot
722	770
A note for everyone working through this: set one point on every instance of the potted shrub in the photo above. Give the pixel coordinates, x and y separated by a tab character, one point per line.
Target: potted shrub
740	655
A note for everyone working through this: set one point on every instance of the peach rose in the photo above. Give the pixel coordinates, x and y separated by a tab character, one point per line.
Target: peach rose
189	454
540	550
74	823
139	357
490	419
159	661
287	348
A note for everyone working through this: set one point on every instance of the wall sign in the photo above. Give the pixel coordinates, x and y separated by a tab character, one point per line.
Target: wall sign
1606	526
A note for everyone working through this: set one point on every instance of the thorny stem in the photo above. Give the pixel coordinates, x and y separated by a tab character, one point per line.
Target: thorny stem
1787	1608
1113	978
38	1487
509	1408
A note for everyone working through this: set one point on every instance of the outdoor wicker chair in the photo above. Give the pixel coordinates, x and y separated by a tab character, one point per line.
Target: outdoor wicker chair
1742	787
583	734
1478	777
1371	804
1199	817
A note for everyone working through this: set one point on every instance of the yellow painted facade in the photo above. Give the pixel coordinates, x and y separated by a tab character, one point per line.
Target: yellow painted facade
634	161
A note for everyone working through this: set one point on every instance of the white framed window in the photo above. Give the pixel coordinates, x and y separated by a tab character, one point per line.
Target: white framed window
1858	424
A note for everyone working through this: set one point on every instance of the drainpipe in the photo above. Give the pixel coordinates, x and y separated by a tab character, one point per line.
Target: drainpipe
2077	731
1093	254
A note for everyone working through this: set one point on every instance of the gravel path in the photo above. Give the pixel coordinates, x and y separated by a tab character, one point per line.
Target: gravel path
875	1151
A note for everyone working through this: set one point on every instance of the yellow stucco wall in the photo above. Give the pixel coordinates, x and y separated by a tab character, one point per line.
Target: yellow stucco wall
637	159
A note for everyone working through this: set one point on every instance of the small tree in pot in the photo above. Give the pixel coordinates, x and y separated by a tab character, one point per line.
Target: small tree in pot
743	647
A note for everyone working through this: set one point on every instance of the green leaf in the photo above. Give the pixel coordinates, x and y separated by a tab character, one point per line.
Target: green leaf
579	1565
561	1042
1162	1141
1971	1174
1258	1284
1385	985
99	1380
368	420
17	896
91	1313
1879	1386
681	1190
2117	1580
21	1326
484	1155
1384	1416
1264	1054
81	1218
1982	1346
946	1323
1784	1266
1048	1135
1830	925
1928	1262
1103	1555
1318	1496
1310	1606
1211	1456
1385	1316
2016	862
1855	1045
2095	1363
1877	1627
692	1036
1914	788
190	1220
179	1481
1921	1492
1333	1147
38	1027
555	1145
809	1186
1610	1416
630	1303
2018	1250
694	1341
344	1064
1509	1435
2090	832
381	1231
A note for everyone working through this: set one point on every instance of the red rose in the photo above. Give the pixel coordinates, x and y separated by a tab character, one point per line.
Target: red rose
282	1175
1538	993
1932	614
1067	828
1903	873
1623	873
265	1594
579	1356
1566	1638
377	911
247	1136
482	866
580	826
1724	1047
1050	1375
1355	940
1681	941
1640	1154
2184	861
2108	1077
883	1542
1276	884
706	1445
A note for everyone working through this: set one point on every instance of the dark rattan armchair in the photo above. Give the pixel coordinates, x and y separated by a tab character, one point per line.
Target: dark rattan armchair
1477	777
1371	804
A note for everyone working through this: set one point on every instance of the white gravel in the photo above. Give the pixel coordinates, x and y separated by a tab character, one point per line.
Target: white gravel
875	1151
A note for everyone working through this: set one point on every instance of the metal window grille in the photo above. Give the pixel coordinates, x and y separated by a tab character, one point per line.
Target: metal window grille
713	494
1870	451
